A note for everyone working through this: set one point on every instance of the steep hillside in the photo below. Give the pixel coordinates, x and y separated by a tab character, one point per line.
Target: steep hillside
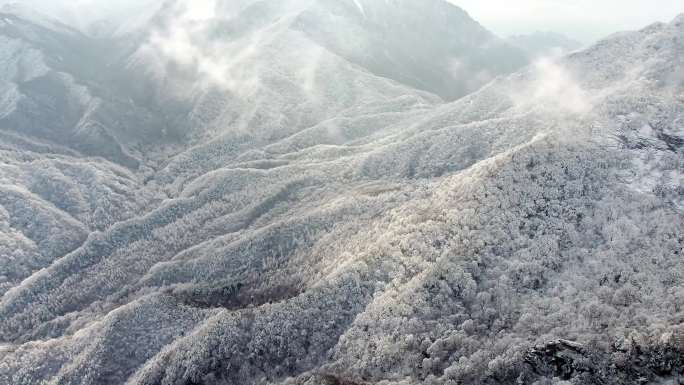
56	87
389	39
226	78
248	74
323	221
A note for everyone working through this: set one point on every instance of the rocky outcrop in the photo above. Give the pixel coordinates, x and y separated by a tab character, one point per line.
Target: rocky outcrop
635	360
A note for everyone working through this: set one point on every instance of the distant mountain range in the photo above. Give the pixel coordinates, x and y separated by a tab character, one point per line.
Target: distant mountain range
339	192
541	44
92	17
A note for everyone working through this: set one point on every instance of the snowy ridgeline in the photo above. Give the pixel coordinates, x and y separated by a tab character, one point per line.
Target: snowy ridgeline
258	196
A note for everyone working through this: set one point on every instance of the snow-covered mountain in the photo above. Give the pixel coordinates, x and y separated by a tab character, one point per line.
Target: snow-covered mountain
97	18
277	192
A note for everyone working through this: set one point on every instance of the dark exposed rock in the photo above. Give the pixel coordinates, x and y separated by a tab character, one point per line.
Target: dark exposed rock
628	362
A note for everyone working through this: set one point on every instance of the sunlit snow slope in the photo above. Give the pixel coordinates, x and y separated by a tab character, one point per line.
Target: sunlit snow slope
280	192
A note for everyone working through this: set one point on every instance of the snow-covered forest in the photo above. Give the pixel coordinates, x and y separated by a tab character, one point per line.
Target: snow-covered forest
337	192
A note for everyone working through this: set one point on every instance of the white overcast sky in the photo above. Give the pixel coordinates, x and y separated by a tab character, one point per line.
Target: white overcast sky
584	20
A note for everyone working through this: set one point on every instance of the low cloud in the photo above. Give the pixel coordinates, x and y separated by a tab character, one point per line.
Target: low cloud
471	78
185	43
193	40
552	86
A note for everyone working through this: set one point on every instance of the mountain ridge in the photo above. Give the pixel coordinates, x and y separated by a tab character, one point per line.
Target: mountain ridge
528	231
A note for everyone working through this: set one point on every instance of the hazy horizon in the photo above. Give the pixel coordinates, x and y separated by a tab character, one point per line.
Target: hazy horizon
582	20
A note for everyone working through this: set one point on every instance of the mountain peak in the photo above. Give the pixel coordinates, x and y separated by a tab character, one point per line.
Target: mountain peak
388	38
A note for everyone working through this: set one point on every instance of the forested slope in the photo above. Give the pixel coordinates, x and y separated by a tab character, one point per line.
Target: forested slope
337	223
